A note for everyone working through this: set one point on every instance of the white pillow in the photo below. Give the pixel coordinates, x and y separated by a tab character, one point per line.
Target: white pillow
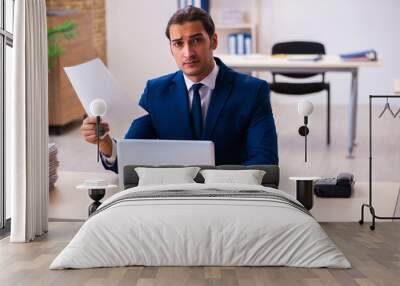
164	176
248	177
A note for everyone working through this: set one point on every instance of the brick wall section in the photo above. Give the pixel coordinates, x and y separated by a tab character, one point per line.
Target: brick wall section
98	9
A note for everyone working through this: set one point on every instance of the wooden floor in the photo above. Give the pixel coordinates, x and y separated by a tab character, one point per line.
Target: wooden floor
374	255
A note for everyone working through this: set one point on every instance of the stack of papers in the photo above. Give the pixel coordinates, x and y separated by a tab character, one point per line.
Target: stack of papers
313	57
299	57
231	17
53	165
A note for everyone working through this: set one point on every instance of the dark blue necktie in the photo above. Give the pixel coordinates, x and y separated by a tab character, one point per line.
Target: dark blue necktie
196	112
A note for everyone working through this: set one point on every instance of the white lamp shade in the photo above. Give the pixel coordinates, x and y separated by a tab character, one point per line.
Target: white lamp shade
305	108
98	107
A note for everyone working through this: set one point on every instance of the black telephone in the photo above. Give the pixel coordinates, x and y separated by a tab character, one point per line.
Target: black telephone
340	187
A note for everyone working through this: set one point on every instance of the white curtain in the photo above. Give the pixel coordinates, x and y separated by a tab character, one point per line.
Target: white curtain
28	123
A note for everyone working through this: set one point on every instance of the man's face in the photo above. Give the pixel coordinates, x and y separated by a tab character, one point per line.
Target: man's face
192	48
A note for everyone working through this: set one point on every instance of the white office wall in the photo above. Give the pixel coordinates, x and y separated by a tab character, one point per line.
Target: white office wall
138	49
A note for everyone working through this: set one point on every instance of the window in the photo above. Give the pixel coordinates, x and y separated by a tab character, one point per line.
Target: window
6	42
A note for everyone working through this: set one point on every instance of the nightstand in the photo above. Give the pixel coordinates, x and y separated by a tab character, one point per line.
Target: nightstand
304	190
96	190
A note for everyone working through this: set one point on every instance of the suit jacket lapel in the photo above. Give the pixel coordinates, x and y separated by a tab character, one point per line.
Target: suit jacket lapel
180	105
219	96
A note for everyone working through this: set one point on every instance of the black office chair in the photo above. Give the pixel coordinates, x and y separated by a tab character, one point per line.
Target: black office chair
302	88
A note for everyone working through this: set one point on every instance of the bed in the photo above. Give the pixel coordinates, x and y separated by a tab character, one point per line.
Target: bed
201	224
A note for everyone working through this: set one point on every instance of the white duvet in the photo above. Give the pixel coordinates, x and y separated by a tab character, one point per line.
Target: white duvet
200	231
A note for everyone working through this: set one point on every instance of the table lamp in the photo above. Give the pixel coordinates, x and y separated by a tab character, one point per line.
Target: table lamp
305	108
98	108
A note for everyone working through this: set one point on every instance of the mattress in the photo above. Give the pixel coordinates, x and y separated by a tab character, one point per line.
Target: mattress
201	225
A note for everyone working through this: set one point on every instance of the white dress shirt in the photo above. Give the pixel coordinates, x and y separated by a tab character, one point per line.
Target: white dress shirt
205	91
205	97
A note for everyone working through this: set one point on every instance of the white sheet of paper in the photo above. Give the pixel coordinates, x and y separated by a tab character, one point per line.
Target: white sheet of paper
93	80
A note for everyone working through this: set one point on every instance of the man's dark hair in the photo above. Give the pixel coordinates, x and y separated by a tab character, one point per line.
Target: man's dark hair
191	14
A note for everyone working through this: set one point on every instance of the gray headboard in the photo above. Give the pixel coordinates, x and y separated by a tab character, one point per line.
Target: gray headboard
271	177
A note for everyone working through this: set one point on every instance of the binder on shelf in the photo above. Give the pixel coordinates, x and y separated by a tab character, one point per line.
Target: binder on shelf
203	4
184	3
181	4
247	44
232	44
240	44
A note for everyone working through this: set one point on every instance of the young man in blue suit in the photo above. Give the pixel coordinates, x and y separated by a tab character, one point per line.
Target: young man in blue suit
204	100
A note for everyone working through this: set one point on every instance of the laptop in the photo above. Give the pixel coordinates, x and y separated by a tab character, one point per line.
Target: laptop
163	152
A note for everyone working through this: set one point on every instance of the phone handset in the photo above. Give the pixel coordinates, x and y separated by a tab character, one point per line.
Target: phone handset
344	179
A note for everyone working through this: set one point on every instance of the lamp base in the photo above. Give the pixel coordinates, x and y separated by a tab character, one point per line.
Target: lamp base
303	130
304	193
96	195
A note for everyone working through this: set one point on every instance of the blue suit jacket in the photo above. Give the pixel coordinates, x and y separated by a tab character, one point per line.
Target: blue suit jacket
239	119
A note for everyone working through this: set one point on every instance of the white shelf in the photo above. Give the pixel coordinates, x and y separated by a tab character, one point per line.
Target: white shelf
250	24
243	26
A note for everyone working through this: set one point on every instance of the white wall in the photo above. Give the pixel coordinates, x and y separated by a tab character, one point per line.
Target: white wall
138	49
136	46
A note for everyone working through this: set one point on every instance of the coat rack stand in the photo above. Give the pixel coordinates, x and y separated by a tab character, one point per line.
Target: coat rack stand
369	205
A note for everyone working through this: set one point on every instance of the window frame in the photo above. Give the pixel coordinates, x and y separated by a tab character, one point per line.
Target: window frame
6	39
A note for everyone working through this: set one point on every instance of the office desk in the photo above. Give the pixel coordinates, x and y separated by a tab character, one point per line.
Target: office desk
330	63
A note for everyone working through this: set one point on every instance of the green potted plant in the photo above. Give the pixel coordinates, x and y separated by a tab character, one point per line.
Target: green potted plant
66	29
